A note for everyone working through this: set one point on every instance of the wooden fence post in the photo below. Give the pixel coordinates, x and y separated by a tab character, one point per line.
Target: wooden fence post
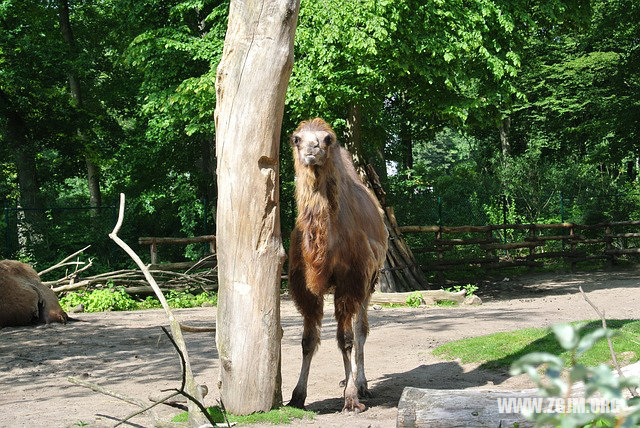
609	246
154	253
532	249
572	240
440	257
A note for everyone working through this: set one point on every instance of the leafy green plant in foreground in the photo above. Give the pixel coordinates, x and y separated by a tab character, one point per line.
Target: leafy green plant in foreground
559	380
281	415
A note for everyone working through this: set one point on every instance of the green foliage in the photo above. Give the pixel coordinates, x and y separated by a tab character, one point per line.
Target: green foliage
107	299
281	415
556	377
415	300
470	289
433	80
179	299
116	299
500	350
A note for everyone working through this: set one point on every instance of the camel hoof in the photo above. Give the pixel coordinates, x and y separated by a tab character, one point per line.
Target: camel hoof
351	404
342	383
297	401
364	393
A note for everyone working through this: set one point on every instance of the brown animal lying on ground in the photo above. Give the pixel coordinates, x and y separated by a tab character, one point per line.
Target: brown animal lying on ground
24	300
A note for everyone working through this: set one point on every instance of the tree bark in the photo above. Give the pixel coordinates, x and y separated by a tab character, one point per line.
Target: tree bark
405	134
208	167
503	128
251	85
93	169
401	271
93	178
458	408
25	160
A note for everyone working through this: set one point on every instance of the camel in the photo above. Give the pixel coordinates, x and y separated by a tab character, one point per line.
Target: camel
24	300
338	244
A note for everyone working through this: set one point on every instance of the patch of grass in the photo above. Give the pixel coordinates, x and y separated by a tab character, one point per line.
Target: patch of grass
116	299
502	349
447	303
443	303
393	305
281	415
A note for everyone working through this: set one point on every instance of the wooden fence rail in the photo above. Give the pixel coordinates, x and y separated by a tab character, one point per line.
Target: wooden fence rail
595	241
153	242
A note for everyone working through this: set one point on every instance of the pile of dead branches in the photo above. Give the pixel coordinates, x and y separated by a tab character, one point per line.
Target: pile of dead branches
133	280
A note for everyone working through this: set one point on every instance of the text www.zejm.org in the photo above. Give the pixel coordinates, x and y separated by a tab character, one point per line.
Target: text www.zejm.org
529	405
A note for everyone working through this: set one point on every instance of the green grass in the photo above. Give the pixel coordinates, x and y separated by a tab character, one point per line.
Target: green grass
281	415
447	303
443	303
500	350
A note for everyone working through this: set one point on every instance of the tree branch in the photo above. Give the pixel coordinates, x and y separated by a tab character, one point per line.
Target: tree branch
63	262
195	418
604	325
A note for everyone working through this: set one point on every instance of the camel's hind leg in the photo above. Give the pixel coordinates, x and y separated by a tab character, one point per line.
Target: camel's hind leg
346	307
361	330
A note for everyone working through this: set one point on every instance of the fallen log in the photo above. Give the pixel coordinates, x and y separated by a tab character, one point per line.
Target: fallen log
430	297
453	408
462	408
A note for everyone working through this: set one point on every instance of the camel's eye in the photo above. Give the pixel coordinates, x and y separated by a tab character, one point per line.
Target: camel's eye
296	141
327	140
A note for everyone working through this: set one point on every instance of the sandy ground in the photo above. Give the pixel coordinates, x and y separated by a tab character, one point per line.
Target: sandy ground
122	350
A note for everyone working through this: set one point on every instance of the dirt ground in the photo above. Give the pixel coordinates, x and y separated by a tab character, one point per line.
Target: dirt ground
122	350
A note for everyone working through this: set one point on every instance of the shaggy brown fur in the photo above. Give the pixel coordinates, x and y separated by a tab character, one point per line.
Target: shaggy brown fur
24	300
338	244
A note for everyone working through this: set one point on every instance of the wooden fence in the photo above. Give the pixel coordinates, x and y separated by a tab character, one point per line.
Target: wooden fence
153	243
578	242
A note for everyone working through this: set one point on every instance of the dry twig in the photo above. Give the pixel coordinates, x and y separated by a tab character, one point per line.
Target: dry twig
63	262
604	325
189	383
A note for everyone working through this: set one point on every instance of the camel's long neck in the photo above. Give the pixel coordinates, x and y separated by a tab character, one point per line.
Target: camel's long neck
317	197
317	192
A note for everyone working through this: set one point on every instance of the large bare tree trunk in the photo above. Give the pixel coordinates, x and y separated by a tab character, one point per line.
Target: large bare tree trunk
401	271
250	87
93	170
406	138
31	221
505	143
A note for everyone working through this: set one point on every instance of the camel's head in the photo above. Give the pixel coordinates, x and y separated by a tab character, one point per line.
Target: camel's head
313	142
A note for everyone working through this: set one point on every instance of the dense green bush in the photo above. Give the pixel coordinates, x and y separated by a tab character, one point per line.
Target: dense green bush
116	299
